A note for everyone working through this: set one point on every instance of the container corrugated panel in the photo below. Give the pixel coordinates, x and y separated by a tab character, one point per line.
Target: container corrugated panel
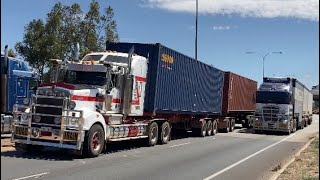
238	94
176	82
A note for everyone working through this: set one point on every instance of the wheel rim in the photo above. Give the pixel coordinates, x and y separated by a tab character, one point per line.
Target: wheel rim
209	128
154	134
214	128
165	132
204	129
96	141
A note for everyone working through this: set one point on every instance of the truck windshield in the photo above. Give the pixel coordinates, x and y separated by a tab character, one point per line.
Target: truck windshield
273	97
92	57
89	78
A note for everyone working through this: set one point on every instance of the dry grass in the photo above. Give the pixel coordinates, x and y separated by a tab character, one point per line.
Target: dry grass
305	166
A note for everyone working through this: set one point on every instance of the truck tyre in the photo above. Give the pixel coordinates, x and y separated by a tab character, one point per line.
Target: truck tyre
165	133
232	124
215	127
200	131
203	130
209	128
153	134
294	129
288	133
226	130
94	141
28	148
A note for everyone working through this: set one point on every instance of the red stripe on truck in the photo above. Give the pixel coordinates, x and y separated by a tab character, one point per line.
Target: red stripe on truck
86	98
142	79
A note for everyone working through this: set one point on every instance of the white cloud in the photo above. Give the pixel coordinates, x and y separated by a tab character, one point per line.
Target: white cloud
221	27
302	9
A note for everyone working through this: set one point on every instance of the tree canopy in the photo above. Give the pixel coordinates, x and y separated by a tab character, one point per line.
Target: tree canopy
64	27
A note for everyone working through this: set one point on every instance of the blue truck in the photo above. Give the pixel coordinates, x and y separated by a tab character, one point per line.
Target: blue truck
17	84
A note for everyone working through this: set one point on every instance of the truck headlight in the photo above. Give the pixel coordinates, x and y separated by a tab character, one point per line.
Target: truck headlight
74	121
26	101
72	104
24	117
37	119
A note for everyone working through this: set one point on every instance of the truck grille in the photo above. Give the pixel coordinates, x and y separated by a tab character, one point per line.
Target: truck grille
269	113
48	108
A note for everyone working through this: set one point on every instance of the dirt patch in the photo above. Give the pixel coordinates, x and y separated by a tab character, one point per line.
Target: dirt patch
6	142
305	166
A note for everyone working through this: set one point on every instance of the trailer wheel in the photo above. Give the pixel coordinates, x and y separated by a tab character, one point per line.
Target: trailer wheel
94	141
165	133
232	124
294	128
209	128
203	130
153	134
215	127
226	130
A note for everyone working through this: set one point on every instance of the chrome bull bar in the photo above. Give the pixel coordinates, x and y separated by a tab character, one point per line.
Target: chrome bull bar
68	136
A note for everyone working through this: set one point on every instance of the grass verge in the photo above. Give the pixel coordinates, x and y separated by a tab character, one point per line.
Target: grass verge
305	166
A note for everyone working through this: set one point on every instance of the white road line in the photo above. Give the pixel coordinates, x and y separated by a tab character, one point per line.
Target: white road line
244	159
180	144
31	176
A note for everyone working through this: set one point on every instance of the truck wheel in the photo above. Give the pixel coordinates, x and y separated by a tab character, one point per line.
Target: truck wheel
288	132
203	130
226	130
94	141
28	148
294	129
232	124
215	127
209	128
165	133
153	134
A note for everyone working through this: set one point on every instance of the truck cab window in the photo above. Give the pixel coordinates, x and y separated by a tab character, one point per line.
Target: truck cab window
92	57
89	78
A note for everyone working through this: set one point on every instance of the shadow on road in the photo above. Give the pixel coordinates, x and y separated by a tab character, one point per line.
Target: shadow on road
56	154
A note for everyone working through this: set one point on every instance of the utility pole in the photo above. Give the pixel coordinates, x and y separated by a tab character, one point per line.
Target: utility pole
196	38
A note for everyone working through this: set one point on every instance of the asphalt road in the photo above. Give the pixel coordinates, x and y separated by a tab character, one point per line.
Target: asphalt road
237	155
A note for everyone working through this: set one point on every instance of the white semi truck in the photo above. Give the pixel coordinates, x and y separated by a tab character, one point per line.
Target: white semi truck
283	104
114	96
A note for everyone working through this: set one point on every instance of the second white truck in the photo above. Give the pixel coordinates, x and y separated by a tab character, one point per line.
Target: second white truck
283	104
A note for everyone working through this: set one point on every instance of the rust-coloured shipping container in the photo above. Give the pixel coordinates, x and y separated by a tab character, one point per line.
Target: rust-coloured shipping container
239	101
238	94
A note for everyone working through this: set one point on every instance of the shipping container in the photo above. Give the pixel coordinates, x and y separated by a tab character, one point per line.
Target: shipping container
177	83
238	94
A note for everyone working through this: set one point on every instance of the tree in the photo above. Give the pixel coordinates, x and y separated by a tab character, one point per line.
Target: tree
33	47
64	27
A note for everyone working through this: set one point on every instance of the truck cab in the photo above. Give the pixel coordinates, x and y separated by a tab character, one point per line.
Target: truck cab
18	82
274	106
85	104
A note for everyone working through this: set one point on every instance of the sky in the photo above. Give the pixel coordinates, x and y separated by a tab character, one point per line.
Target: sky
227	29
